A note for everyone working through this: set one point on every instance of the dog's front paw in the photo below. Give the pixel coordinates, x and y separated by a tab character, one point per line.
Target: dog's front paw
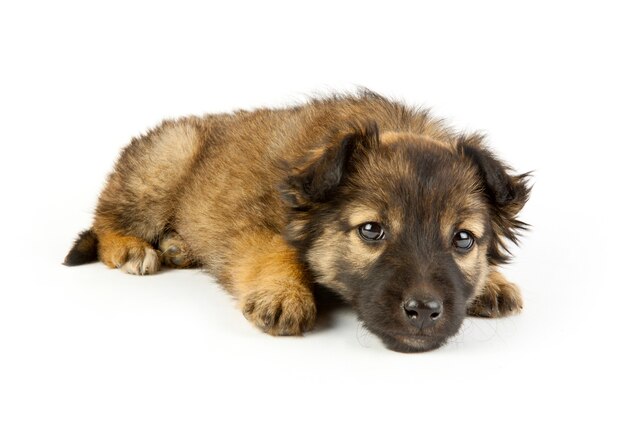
499	298
284	311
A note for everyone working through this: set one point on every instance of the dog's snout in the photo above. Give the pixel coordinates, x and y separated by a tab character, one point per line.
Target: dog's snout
422	313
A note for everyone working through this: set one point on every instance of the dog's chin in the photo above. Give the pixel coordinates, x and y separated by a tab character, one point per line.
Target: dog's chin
408	341
412	343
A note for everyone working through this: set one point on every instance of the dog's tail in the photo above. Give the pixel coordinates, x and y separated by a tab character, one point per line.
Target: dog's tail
85	249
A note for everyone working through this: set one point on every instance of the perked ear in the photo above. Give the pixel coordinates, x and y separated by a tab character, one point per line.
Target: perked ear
507	194
312	179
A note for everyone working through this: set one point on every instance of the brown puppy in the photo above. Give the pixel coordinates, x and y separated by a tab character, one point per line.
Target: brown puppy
374	200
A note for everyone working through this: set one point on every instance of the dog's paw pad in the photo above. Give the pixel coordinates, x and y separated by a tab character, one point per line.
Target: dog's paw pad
500	298
280	312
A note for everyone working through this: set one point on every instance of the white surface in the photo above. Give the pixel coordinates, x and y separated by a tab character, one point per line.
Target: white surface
89	349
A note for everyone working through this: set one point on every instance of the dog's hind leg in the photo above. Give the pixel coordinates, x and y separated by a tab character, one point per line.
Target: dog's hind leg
499	297
139	202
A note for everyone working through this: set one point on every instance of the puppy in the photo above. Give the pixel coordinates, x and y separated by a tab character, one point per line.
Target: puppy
375	201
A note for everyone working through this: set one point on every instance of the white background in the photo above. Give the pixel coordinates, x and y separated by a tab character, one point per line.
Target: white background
89	349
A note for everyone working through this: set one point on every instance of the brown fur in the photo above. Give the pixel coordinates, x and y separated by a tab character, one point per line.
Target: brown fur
236	194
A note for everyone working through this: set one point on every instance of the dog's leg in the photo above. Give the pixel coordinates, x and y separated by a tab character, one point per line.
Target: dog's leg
139	201
270	285
498	298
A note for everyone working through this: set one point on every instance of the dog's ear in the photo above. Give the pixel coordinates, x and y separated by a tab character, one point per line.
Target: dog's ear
506	193
313	178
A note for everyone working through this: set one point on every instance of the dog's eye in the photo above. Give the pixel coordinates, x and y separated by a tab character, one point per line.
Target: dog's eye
371	231
463	240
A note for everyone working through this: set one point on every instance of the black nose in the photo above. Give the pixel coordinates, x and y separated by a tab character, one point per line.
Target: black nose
422	314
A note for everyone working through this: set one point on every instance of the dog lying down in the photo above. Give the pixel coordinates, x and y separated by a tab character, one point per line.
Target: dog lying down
378	202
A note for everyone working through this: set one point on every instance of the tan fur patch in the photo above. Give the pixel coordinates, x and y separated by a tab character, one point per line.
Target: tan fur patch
335	244
362	254
468	262
170	147
475	224
359	215
468	214
389	137
323	256
474	266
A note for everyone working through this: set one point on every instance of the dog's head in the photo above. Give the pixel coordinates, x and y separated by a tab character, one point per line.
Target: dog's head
403	227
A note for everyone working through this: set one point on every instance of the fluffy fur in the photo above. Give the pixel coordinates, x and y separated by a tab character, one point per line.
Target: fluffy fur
274	202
